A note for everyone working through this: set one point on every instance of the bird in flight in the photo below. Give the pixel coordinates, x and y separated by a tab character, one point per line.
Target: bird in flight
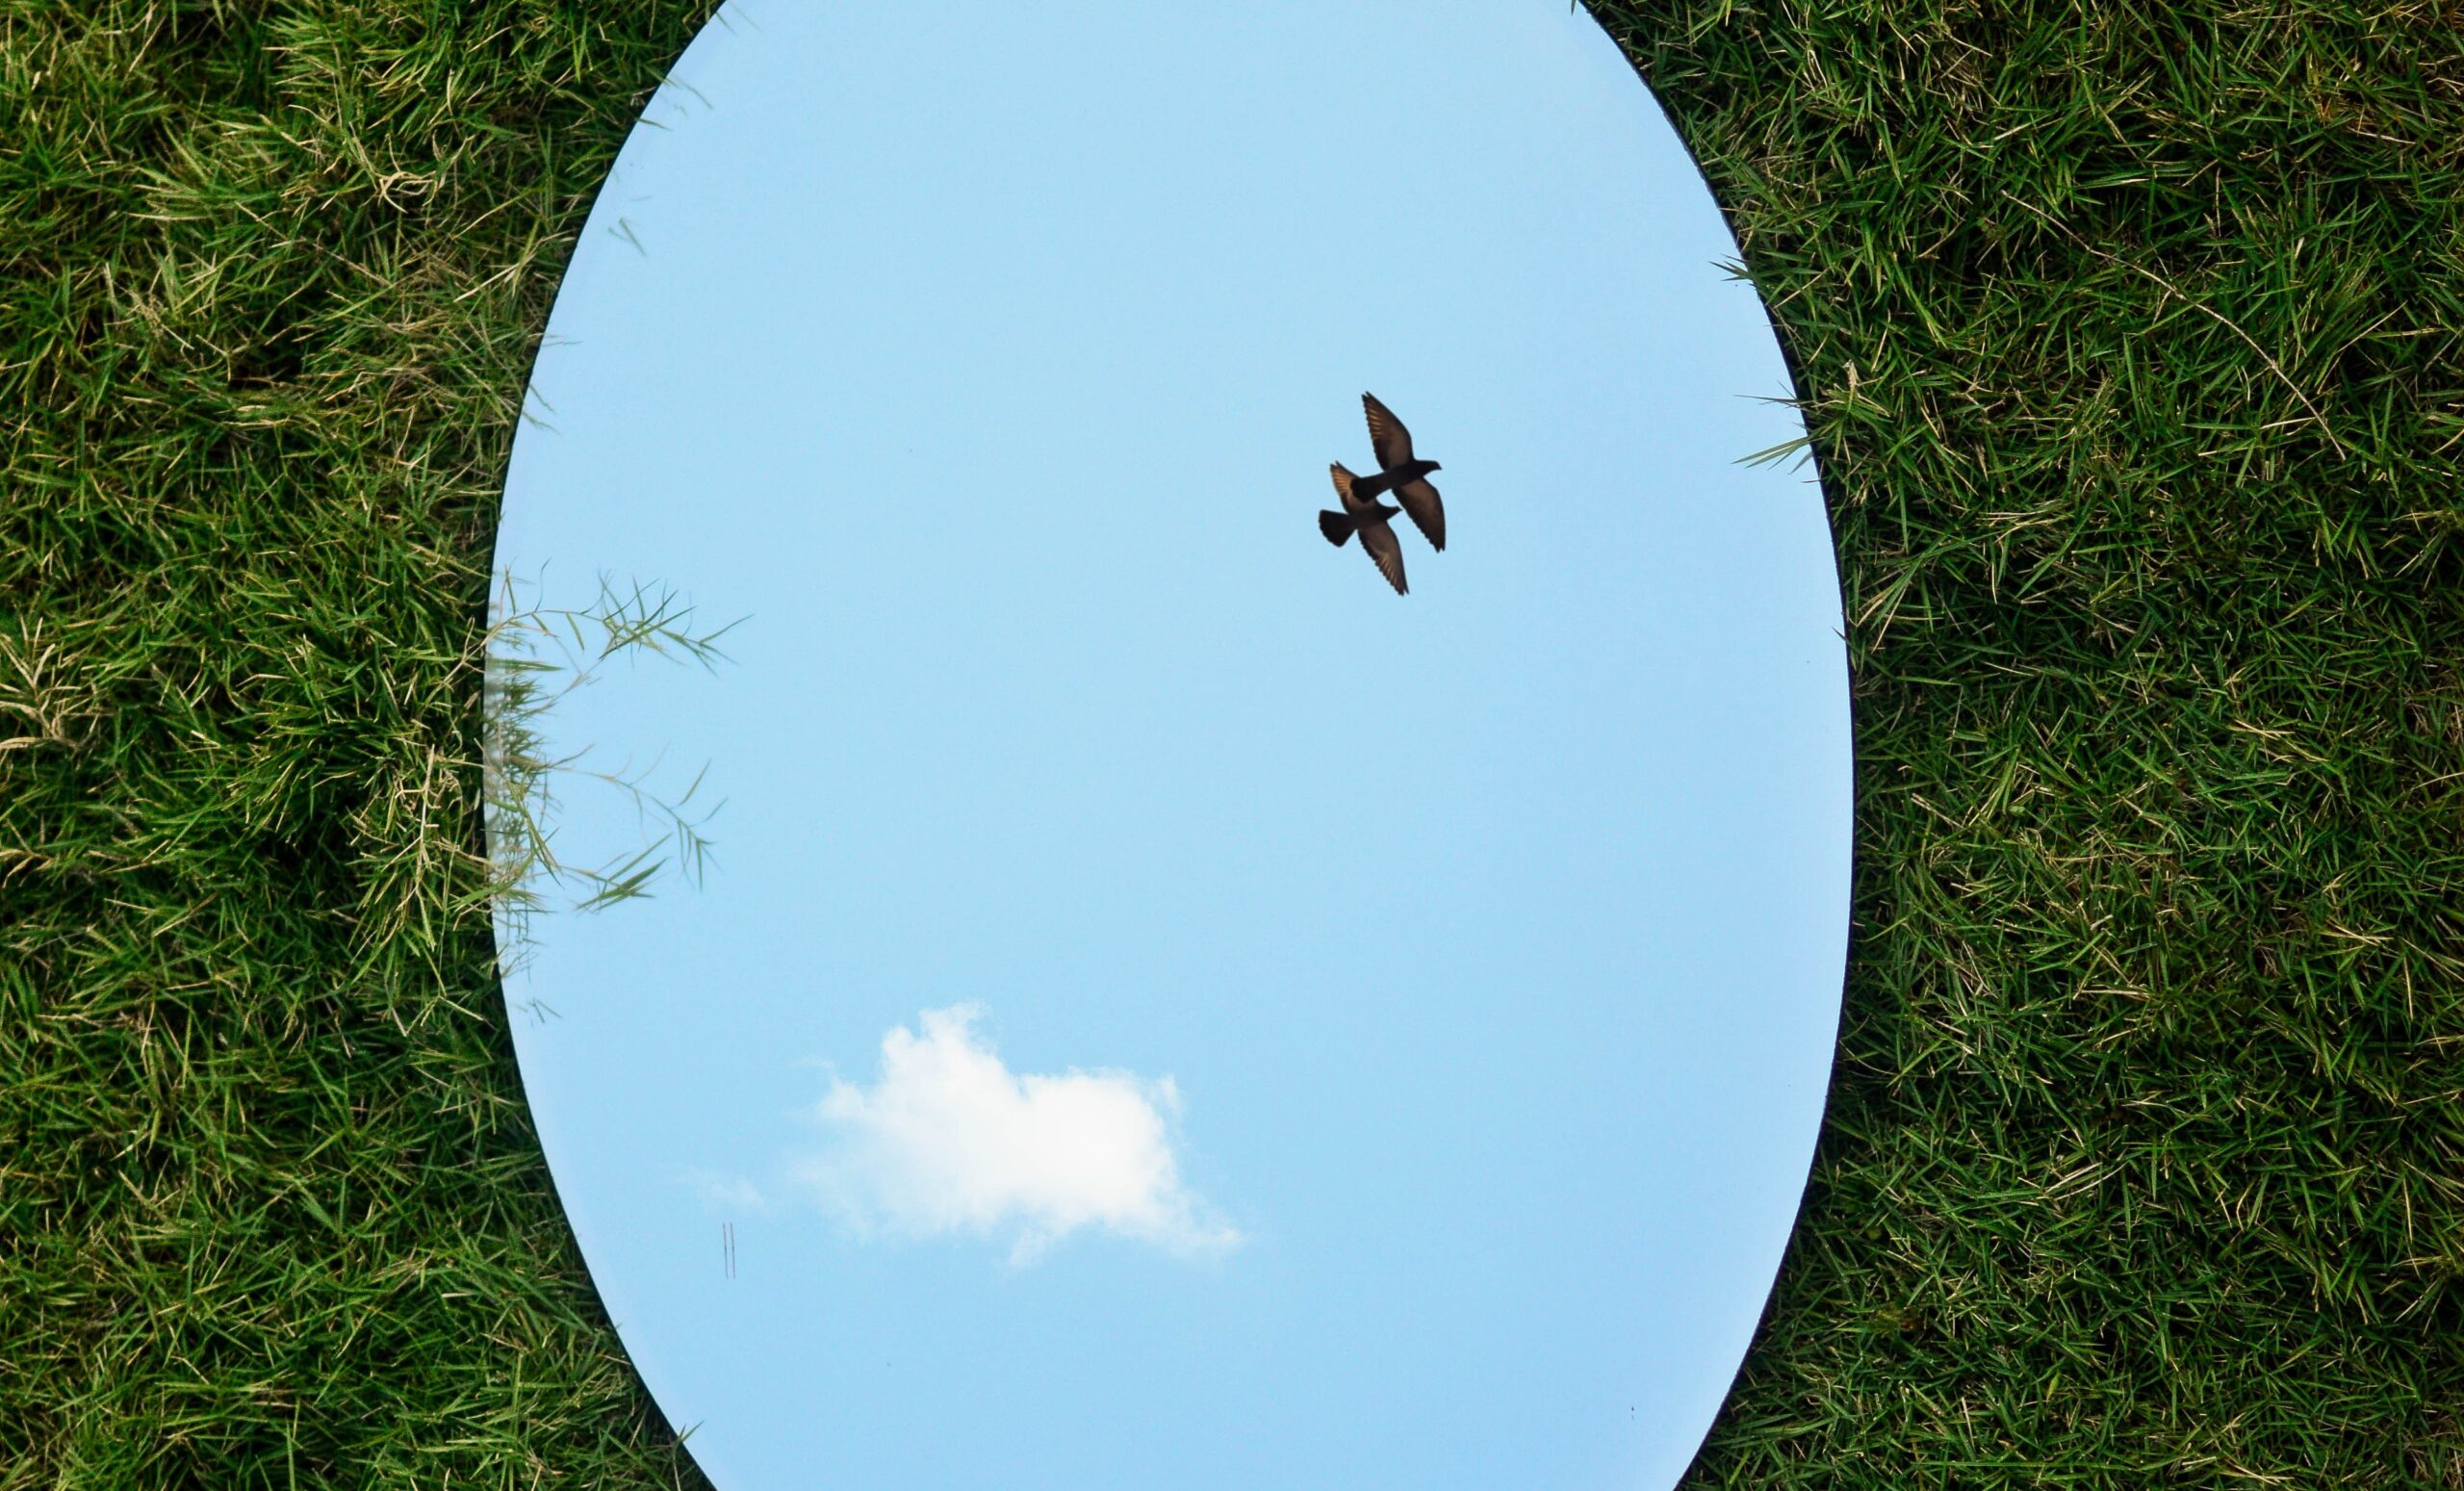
1367	517
1403	474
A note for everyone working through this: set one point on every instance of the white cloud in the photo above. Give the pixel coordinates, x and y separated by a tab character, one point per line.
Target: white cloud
726	1192
949	1141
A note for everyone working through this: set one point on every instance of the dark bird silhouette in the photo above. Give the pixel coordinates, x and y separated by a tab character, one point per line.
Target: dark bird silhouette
1366	516
1401	472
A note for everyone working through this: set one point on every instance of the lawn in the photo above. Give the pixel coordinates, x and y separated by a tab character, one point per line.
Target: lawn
2128	336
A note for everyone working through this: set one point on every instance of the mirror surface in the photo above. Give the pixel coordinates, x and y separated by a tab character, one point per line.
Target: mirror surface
1166	1010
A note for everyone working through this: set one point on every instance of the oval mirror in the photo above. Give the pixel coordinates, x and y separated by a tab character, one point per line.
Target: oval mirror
1196	985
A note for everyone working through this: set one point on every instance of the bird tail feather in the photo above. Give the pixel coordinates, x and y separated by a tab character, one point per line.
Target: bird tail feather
1337	527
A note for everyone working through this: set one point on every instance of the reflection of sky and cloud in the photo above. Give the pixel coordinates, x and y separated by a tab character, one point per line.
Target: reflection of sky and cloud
1167	1009
950	1142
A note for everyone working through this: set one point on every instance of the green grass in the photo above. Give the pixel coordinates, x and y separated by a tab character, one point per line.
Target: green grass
2129	335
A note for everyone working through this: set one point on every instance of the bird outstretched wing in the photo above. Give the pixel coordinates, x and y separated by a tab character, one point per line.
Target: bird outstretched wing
1378	540
1387	435
1344	480
1427	513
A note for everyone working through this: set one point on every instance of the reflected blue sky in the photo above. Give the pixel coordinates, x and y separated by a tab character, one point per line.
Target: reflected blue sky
1166	1010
